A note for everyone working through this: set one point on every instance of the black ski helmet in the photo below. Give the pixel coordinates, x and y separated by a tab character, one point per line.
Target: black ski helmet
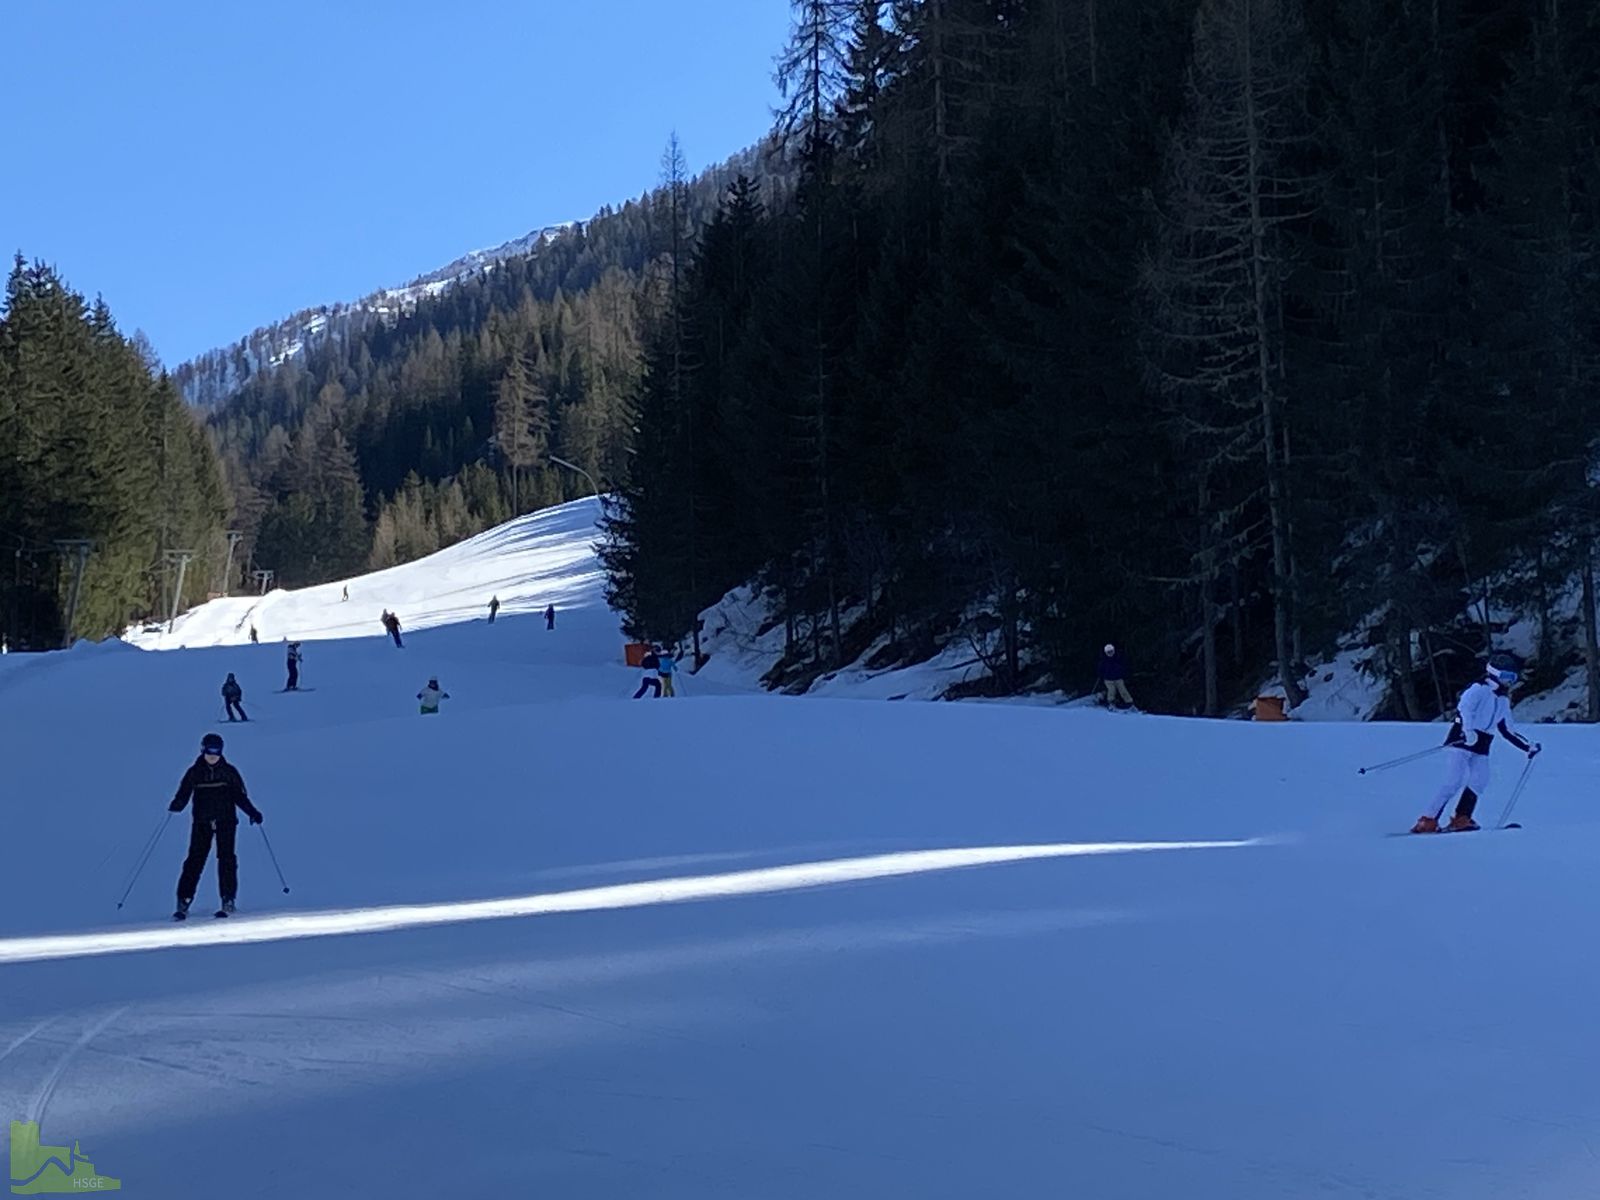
211	744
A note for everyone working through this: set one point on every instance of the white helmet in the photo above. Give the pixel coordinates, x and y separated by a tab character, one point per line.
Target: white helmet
1110	649
1501	673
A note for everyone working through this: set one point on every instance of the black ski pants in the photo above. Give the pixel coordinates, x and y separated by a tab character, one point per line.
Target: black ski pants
649	684
200	835
395	634
235	707
294	677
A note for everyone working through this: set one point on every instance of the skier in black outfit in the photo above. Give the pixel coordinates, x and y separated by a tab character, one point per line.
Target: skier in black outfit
219	796
650	662
294	667
232	696
392	623
550	617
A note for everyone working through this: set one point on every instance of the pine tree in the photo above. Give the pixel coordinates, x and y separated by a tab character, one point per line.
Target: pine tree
521	425
1216	285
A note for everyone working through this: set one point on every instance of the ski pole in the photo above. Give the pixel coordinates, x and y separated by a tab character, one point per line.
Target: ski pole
1395	762
274	857
144	856
1516	793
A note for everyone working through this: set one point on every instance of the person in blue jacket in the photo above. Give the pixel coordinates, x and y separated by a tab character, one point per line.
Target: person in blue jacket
1112	672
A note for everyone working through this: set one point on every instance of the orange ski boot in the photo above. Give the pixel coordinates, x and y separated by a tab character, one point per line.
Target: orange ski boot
1426	825
1462	823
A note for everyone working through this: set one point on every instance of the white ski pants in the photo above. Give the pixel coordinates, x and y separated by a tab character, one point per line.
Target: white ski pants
1465	770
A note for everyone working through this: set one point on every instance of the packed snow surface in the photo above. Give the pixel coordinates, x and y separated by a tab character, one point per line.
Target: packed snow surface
552	942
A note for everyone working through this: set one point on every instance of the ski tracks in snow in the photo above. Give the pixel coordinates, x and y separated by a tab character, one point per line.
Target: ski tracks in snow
36	1108
47	1090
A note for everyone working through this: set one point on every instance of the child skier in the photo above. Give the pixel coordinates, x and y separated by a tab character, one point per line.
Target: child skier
650	662
430	697
293	662
233	697
219	796
1484	710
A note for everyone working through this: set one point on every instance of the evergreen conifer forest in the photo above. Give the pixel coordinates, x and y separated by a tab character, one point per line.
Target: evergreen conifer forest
1219	329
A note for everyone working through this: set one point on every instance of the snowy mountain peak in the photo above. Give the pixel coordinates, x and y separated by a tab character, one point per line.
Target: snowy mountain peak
211	378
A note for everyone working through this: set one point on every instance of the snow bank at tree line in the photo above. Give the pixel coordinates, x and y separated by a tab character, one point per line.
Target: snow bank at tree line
549	558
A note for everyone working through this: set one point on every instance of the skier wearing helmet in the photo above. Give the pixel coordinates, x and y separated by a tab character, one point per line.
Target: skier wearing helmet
1483	712
1112	672
219	796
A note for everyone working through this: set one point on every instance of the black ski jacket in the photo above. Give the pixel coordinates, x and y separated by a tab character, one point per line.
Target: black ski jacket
217	791
232	691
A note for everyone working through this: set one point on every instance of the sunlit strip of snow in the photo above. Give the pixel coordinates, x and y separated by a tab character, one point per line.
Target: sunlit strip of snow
626	895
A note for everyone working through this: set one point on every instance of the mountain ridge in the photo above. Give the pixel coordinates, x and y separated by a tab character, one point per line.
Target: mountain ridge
208	379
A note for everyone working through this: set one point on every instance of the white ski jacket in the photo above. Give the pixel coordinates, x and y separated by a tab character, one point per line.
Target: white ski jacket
1484	711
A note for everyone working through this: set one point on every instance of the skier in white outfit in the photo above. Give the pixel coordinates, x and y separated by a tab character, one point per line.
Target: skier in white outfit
1483	712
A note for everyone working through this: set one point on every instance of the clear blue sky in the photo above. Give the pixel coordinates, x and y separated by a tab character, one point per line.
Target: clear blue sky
210	166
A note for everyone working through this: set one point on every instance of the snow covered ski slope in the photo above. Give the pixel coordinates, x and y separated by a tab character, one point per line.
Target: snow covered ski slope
547	558
555	943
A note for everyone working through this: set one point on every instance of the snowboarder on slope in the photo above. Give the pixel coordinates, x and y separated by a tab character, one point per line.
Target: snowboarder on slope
1484	710
1111	672
232	697
550	617
494	607
293	662
219	796
650	662
430	697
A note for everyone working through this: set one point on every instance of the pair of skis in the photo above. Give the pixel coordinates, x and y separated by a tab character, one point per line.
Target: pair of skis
1447	829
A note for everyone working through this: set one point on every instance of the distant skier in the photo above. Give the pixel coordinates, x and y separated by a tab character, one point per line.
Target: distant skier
1484	710
494	608
1111	672
430	697
650	663
346	595
233	697
550	617
219	796
667	669
392	623
292	661
254	637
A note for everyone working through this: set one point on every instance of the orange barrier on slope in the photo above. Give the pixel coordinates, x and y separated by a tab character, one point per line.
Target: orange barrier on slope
1268	708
